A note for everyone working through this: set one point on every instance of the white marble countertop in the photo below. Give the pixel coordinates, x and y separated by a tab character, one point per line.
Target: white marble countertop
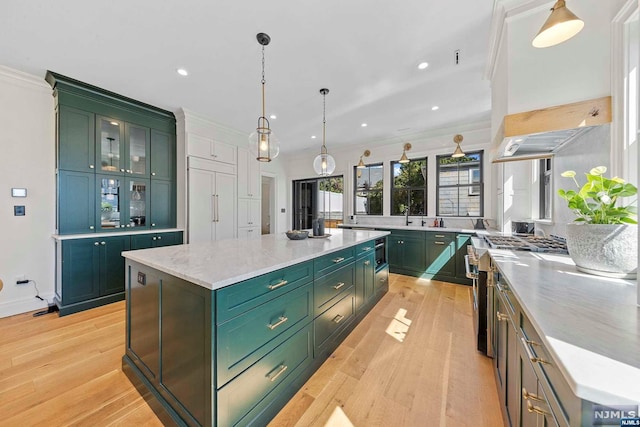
125	231
214	265
590	324
416	228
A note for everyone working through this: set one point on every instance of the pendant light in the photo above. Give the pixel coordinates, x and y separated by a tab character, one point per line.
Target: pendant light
324	164
404	158
458	151
263	143
361	164
560	26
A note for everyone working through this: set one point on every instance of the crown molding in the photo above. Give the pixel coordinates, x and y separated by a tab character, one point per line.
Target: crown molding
192	117
12	74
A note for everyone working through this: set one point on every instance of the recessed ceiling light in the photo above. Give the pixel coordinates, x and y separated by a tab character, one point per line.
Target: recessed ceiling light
182	72
423	65
273	116
434	108
364	125
313	137
114	123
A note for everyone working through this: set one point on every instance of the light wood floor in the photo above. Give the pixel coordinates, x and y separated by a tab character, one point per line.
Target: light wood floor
410	362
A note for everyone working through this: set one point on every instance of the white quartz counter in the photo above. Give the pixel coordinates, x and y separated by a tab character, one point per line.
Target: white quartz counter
214	265
590	324
125	231
415	228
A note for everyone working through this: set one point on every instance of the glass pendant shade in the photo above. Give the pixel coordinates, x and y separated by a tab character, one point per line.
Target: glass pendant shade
324	164
263	143
561	25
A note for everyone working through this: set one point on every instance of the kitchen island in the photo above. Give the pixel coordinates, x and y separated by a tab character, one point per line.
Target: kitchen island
224	333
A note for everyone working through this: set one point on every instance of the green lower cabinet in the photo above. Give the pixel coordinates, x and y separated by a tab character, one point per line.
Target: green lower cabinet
407	252
462	241
155	240
364	279
92	273
441	255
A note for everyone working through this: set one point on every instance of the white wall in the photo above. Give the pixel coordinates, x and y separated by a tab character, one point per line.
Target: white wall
27	135
476	137
276	169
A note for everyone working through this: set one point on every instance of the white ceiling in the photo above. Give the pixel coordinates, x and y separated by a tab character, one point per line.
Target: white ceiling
365	51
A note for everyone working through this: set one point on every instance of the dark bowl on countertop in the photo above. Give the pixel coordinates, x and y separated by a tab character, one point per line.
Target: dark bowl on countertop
297	234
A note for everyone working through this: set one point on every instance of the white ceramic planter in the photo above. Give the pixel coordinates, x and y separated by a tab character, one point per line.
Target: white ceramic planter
604	249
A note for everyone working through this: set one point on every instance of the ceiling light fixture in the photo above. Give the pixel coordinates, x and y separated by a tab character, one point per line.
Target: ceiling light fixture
313	137
435	108
404	158
273	116
182	72
423	65
560	26
263	143
324	164
364	125
458	151
361	164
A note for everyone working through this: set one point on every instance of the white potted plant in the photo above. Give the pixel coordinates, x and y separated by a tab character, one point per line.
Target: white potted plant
604	238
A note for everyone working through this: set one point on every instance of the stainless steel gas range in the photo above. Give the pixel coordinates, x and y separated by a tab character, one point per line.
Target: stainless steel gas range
528	242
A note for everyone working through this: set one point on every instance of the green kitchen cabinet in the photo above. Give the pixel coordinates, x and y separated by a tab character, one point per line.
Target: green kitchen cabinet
155	240
76	209
122	147
162	208
407	252
76	134
364	278
440	251
462	241
92	272
163	155
122	203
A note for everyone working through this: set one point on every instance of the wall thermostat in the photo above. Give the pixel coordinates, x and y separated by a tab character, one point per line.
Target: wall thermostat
18	192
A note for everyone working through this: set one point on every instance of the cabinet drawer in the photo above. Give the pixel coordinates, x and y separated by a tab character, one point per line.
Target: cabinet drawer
557	391
246	338
332	285
382	279
365	248
261	382
236	299
407	234
327	263
441	236
334	319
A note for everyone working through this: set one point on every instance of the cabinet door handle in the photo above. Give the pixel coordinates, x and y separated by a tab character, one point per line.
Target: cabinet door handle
278	285
530	355
367	262
339	259
439	243
501	317
538	410
121	170
281	320
213	208
153	224
526	395
339	318
153	174
96	243
367	249
217	208
439	235
153	238
129	171
91	227
159	237
91	166
338	286
103	243
275	376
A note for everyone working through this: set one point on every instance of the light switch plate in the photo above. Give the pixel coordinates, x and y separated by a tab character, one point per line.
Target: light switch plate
18	211
18	192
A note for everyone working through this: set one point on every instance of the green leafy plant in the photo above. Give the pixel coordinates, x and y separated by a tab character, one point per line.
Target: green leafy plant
595	202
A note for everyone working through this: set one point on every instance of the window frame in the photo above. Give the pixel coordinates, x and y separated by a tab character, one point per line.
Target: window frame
356	190
392	187
546	171
469	187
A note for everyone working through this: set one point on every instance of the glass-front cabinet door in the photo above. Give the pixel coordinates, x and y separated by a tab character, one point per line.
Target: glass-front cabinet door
110	148
110	189
137	148
138	202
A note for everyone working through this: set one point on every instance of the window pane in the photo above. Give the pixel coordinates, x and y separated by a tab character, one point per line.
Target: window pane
460	185
368	203
412	174
369	177
417	203
330	198
368	191
399	201
459	201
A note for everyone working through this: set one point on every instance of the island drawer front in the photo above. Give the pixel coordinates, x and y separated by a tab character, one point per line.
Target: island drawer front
264	380
246	338
333	320
558	393
382	279
365	248
234	300
331	286
332	261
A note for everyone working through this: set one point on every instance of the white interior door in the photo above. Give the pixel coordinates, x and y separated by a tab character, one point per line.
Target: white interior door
225	206
201	215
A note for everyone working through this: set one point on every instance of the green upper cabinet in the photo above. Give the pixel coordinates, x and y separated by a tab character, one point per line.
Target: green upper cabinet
76	209
137	144
162	204
76	138
163	155
122	147
121	203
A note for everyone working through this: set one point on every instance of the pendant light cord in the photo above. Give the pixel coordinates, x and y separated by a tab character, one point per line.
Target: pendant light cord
263	83
324	123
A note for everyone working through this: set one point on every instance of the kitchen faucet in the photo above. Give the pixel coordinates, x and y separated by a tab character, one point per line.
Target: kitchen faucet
406	213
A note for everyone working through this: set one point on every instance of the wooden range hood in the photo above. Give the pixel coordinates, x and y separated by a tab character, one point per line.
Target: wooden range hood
539	133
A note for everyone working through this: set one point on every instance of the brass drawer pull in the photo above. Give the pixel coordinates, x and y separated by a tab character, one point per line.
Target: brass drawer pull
275	376
368	248
278	323
530	396
339	259
501	317
439	235
367	262
278	285
339	318
538	410
530	355
439	243
338	286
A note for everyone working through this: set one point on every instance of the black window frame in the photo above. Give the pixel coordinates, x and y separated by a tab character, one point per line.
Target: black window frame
546	188
357	190
393	188
470	186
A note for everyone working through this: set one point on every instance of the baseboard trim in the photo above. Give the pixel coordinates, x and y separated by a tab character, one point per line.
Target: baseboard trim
11	308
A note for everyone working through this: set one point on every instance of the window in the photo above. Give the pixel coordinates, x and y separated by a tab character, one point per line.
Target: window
409	187
317	197
367	198
460	185
545	188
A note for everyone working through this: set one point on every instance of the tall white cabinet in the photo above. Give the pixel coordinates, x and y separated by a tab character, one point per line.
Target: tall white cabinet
249	202
212	201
